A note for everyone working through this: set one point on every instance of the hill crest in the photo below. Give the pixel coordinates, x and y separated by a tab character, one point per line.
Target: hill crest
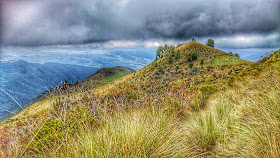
105	75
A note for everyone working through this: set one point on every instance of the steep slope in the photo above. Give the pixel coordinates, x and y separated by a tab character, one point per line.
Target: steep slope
25	81
189	105
188	67
101	77
191	66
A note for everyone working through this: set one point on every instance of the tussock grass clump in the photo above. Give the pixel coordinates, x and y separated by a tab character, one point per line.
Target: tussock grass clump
239	122
141	133
261	126
212	130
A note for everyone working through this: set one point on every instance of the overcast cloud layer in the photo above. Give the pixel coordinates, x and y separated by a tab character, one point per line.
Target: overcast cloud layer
250	23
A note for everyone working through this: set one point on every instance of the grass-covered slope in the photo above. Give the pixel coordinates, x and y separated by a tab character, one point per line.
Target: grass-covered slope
181	105
228	60
42	106
105	75
189	66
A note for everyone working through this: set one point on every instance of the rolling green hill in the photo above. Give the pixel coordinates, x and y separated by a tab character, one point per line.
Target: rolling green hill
193	101
105	75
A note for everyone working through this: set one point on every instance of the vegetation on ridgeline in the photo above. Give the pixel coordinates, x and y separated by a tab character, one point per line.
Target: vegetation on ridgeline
210	43
192	101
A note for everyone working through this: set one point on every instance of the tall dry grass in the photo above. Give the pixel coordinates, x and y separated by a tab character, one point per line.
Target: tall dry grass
141	133
235	124
241	121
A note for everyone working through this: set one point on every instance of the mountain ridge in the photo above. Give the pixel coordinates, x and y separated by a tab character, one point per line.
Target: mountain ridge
193	100
151	75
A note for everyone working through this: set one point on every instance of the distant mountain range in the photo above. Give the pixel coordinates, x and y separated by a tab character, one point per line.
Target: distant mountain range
25	81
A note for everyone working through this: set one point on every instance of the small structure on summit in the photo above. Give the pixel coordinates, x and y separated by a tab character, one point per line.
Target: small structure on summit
193	39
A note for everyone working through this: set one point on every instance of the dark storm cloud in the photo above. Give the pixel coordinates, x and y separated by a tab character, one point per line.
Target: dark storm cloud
30	22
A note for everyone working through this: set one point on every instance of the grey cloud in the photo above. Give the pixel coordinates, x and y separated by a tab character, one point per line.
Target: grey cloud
71	21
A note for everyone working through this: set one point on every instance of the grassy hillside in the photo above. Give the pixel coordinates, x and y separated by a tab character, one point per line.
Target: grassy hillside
105	75
193	101
42	106
192	69
228	60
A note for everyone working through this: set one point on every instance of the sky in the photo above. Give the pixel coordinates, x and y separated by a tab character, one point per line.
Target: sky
231	23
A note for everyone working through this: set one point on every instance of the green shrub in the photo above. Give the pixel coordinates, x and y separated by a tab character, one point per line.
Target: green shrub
170	59
190	65
159	71
237	55
191	57
194	56
201	62
194	70
210	43
167	50
177	56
